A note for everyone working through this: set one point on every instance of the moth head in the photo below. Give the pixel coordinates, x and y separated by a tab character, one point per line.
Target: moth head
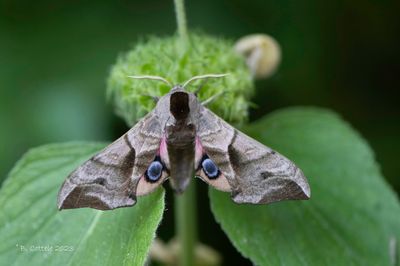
183	107
179	107
179	104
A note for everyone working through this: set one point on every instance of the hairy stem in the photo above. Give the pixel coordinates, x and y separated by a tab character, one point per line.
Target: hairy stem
186	226
181	21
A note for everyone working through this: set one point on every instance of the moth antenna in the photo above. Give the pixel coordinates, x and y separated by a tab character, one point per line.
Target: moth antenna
204	77
152	78
212	98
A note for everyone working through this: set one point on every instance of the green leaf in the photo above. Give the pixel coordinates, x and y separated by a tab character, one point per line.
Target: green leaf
352	216
34	232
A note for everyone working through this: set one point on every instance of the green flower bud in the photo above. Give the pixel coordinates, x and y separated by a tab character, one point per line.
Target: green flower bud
164	57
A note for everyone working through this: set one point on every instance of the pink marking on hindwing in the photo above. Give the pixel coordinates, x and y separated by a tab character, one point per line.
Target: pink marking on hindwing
199	152
163	152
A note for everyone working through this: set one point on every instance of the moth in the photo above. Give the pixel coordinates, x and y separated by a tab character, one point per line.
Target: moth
179	139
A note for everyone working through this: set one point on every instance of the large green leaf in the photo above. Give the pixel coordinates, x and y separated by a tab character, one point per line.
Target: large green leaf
34	232
352	216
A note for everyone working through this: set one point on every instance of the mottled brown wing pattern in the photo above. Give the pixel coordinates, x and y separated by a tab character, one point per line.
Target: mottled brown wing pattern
256	173
109	179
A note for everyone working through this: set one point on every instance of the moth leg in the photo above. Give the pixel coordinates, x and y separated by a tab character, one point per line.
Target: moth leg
212	98
196	92
155	98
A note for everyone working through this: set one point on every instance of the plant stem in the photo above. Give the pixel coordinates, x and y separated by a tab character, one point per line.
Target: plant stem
185	204
186	226
181	21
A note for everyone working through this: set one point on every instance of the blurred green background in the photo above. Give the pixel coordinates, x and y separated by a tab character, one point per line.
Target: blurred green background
55	57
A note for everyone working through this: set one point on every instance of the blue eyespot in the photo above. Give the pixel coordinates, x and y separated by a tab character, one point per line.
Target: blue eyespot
154	171
210	169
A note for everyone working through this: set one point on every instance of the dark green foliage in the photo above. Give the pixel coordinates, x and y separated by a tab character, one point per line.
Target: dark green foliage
352	215
34	232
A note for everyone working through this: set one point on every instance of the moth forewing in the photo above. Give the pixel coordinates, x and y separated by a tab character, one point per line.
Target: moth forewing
109	179
265	176
255	173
